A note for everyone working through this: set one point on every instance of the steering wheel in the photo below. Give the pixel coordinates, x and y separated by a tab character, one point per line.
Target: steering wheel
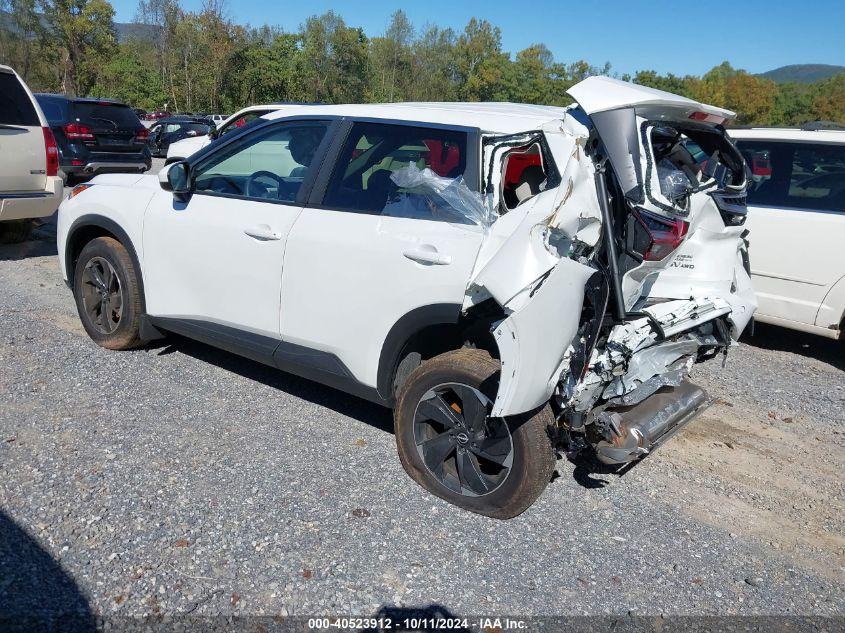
252	179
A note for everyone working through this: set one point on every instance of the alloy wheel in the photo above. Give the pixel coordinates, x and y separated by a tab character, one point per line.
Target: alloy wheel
101	295
468	451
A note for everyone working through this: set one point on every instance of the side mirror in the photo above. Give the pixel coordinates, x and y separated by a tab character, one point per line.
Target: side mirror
177	179
214	133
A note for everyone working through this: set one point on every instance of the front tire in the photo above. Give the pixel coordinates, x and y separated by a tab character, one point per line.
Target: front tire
450	445
107	293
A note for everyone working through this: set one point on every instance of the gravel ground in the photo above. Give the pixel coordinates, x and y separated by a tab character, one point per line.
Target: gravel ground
180	479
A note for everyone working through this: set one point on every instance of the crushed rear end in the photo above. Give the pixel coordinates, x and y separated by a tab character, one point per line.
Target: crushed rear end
626	267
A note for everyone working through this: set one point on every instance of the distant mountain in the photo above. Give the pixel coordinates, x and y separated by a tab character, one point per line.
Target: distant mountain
123	30
803	73
131	30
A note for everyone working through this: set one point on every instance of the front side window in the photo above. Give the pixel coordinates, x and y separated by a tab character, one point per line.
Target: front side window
268	165
807	176
404	171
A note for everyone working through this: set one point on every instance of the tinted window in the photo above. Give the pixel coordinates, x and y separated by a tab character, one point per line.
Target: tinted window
53	110
365	177
106	114
241	121
269	165
797	175
15	104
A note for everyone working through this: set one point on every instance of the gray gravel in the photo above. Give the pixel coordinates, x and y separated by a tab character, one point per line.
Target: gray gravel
181	479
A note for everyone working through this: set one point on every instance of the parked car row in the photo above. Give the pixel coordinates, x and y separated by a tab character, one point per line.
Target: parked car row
165	132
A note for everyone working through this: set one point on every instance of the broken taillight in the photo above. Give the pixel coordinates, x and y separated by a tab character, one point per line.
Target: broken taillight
706	117
659	236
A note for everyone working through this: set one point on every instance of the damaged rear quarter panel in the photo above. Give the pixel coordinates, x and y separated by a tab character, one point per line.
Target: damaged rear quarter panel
535	338
530	265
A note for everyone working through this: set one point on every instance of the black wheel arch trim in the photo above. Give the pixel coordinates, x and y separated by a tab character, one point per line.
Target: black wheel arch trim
406	327
107	224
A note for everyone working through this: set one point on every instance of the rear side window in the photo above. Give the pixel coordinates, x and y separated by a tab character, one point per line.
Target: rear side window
53	110
15	105
807	176
98	114
390	169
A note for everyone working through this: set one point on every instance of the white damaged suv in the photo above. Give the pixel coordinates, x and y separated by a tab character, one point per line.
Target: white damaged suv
508	278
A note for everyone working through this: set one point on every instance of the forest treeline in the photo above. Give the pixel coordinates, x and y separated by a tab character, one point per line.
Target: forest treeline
204	61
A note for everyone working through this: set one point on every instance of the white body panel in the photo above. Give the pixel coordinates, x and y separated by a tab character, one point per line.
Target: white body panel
600	94
204	261
349	278
187	146
797	259
110	198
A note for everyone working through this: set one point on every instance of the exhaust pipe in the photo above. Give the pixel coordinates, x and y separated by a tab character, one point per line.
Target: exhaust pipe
636	431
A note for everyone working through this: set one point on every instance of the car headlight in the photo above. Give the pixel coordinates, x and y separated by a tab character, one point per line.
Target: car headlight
79	189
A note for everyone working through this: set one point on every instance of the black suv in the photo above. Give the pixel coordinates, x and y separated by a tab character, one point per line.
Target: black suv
96	136
166	131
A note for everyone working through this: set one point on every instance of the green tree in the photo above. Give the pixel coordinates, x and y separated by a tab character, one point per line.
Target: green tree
126	76
752	98
22	37
83	33
480	64
684	86
391	60
434	72
334	58
259	73
828	100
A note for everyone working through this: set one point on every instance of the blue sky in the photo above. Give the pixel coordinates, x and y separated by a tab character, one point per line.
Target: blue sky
683	37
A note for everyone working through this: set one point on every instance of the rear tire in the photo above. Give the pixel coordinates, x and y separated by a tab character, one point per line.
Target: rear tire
476	473
107	293
15	231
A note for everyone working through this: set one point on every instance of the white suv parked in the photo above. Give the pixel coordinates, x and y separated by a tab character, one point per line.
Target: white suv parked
507	277
30	186
184	148
796	204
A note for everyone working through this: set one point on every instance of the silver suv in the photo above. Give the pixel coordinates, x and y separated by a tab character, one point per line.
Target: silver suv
30	186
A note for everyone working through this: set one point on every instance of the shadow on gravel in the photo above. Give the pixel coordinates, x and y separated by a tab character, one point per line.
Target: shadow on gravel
432	617
41	243
345	404
591	473
35	592
25	250
781	339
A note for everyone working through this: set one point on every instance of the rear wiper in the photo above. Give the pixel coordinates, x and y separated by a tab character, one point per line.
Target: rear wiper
100	118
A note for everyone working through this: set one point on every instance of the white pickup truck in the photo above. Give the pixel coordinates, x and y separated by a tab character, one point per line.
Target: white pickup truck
30	186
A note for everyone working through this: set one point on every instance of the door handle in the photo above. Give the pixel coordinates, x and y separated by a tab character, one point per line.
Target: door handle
263	233
428	255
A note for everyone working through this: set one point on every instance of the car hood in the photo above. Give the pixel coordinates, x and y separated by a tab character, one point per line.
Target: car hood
187	146
134	181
